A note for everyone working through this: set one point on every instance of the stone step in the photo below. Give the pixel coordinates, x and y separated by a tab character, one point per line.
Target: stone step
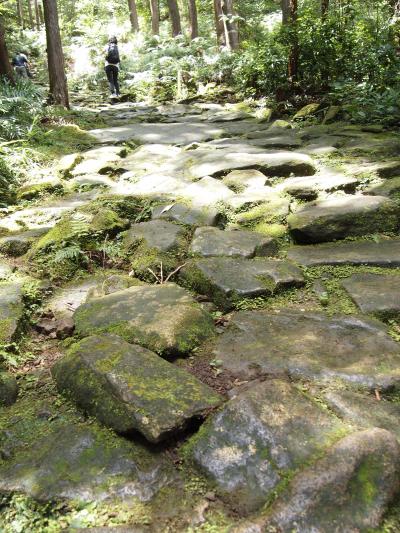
227	280
164	318
127	387
384	254
310	345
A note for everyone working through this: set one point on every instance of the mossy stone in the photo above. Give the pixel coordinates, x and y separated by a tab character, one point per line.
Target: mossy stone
8	389
163	318
128	387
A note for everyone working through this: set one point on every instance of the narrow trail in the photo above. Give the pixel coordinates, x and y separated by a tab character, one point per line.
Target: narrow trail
223	294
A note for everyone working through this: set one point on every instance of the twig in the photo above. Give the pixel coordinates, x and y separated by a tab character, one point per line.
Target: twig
377	395
155	275
175	272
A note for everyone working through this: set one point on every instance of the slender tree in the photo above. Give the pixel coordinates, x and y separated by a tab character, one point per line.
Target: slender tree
20	14
294	42
30	15
175	17
193	19
324	8
5	66
155	17
37	15
230	25
285	11
41	15
219	23
133	15
55	55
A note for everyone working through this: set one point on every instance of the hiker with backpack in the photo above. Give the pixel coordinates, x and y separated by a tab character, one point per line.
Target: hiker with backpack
21	66
112	66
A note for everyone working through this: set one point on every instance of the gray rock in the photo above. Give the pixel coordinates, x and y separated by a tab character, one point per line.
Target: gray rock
161	235
239	180
79	463
387	188
347	490
127	387
163	318
364	411
310	346
188	215
18	244
11	311
384	254
326	181
375	293
227	280
211	242
272	140
5	271
219	162
259	437
8	389
346	216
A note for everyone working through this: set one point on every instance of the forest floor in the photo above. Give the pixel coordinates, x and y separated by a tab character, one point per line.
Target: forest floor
223	294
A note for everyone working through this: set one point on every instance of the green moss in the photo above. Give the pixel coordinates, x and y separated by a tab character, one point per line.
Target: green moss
28	192
272	230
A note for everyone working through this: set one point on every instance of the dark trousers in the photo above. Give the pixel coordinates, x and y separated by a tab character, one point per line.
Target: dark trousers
112	76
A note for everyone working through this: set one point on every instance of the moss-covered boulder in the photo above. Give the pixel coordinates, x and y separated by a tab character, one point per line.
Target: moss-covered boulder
212	242
82	226
163	318
226	280
358	351
344	216
129	388
28	192
8	389
82	463
307	111
347	490
259	438
161	235
11	311
17	244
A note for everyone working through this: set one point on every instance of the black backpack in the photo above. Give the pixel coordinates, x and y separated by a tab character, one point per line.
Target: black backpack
112	54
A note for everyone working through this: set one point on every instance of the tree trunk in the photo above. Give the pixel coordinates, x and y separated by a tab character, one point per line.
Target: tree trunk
175	17
41	15
37	15
20	14
219	23
294	47
193	19
230	26
324	8
5	66
155	17
133	15
30	14
55	55
286	11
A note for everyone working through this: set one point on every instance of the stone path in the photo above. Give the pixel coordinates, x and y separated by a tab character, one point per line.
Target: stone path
229	290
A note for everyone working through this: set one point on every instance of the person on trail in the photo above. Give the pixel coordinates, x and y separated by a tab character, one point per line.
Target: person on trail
112	66
21	65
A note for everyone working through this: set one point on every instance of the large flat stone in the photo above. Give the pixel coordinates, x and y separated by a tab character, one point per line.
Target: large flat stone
163	318
384	254
212	242
259	437
173	133
364	411
186	214
5	271
219	162
310	346
18	244
159	234
326	181
81	463
227	280
375	293
11	310
348	490
129	388
345	216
